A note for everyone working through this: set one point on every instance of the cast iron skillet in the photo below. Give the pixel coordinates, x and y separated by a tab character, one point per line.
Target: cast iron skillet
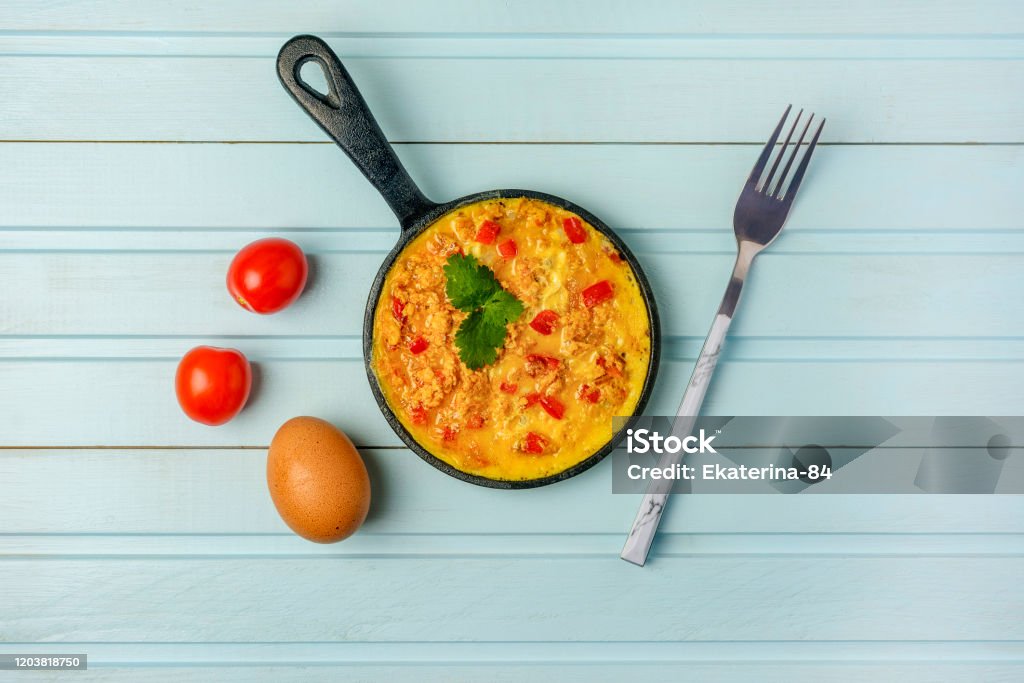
344	116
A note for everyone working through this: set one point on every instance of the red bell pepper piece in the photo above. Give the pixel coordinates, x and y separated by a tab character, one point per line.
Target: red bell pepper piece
552	406
574	230
544	322
418	345
610	368
534	443
487	232
398	309
597	293
508	249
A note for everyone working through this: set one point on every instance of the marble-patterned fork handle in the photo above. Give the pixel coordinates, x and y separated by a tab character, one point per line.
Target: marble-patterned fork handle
645	526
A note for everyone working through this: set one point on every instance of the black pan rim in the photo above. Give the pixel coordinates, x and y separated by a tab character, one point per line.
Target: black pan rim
422	223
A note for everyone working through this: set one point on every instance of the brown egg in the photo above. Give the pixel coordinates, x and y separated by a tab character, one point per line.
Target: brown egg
317	480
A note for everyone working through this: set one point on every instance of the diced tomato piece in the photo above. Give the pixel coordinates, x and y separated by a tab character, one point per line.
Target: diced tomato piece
544	322
548	362
418	345
508	249
487	232
475	422
610	368
597	293
449	434
615	256
574	230
534	443
589	394
398	309
532	399
552	406
418	415
509	388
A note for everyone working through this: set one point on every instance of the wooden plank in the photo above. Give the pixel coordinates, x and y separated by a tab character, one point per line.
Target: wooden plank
131	402
639	188
561	661
509	672
566	100
670	241
464	17
514	599
369	544
679	348
49	495
183	294
561	652
522	45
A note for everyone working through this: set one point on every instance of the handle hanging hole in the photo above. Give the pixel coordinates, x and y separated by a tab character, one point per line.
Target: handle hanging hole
312	75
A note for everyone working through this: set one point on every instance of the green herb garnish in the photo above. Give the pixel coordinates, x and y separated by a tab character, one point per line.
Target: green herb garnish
472	287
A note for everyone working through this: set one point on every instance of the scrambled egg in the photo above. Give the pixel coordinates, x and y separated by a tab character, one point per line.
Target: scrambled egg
576	357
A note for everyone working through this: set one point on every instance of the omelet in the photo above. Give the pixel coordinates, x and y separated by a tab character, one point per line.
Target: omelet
576	357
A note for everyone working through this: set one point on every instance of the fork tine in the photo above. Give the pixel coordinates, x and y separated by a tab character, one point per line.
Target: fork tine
789	163
762	160
794	185
782	152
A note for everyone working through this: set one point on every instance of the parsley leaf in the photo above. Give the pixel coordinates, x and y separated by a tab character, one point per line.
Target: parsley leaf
469	283
503	307
478	340
472	287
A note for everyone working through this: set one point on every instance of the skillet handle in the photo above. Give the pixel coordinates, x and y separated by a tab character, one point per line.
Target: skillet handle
343	115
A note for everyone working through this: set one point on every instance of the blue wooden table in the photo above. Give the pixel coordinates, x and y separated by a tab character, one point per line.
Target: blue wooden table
145	142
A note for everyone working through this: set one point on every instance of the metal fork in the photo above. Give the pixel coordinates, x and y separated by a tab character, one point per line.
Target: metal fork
760	213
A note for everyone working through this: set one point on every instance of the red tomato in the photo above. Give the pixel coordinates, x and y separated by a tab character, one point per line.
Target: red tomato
418	345
589	395
213	384
508	249
597	293
574	230
397	309
267	275
610	368
418	415
534	443
552	406
487	232
544	322
509	388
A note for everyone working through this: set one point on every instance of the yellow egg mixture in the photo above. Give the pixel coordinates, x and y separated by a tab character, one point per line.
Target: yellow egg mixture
575	358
